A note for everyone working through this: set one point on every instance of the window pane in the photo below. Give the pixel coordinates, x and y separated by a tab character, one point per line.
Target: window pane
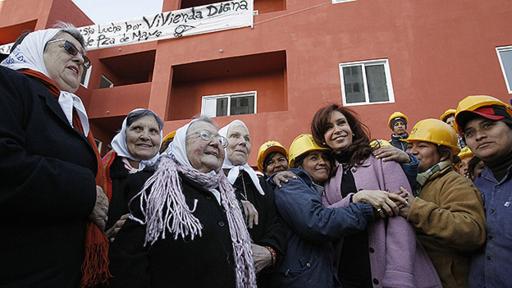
506	59
242	105
376	79
222	107
354	85
105	82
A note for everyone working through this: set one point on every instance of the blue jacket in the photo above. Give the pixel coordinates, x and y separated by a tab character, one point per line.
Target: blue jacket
309	258
492	267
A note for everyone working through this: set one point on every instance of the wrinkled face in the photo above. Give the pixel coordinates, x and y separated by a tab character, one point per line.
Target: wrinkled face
65	69
399	128
239	145
276	163
204	155
339	134
450	120
143	138
426	153
489	140
317	166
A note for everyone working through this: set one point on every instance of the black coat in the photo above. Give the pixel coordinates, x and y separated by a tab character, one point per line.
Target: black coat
270	231
47	190
206	261
121	195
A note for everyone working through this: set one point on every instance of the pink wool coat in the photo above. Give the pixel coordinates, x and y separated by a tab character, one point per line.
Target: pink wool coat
396	258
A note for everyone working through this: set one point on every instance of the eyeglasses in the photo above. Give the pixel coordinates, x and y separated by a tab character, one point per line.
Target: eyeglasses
72	50
209	136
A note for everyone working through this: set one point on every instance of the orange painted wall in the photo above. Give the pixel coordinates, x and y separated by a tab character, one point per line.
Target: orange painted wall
439	51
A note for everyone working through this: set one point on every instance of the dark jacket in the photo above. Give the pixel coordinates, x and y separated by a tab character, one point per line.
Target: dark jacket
270	230
206	261
121	195
47	190
396	140
309	258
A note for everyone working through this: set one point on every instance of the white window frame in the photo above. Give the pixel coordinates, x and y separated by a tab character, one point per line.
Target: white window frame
87	77
389	83
229	96
341	1
99	144
504	49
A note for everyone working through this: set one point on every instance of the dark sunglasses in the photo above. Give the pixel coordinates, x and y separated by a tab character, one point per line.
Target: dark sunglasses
73	51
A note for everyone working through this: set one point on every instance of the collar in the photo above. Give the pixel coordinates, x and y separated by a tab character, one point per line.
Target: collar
433	172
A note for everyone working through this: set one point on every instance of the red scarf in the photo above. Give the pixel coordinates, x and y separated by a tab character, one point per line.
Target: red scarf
95	265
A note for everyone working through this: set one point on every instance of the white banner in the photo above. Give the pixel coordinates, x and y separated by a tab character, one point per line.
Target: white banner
173	24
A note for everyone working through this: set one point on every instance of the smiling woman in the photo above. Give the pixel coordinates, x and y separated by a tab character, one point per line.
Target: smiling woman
186	211
134	148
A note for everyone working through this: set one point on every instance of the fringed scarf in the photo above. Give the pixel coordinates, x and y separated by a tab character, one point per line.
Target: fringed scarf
165	210
27	58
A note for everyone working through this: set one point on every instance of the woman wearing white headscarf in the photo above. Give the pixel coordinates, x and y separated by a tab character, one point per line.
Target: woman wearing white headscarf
186	227
51	208
133	148
268	234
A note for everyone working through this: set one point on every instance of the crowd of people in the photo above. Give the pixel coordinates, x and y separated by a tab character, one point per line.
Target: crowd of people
427	208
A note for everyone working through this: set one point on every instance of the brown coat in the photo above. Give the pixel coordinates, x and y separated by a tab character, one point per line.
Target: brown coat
449	219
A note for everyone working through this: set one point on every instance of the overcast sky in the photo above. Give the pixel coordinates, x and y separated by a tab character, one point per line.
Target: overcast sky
104	11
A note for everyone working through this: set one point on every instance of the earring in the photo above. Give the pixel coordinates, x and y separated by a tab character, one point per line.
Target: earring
353	134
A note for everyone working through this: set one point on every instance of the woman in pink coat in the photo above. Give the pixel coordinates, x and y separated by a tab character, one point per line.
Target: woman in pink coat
386	254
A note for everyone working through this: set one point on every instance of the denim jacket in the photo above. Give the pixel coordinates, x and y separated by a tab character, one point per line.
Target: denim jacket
492	266
309	262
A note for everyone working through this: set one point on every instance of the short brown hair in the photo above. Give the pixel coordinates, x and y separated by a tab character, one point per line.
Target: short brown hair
360	147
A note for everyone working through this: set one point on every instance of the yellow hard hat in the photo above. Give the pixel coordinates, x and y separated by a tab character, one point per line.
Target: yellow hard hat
169	137
267	148
378	143
465	153
434	131
472	103
397	115
302	144
447	114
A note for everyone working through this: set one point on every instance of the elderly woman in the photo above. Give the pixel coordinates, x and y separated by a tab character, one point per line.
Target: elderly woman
314	228
268	233
133	148
448	214
51	206
386	253
186	228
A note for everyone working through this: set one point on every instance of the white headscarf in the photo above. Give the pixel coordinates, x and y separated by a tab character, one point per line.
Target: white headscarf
29	55
165	210
234	171
121	148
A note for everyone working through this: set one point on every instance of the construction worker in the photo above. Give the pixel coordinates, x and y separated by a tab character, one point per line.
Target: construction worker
272	158
465	155
486	125
448	117
447	211
397	122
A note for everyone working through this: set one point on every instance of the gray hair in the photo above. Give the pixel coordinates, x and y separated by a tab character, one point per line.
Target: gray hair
71	30
137	114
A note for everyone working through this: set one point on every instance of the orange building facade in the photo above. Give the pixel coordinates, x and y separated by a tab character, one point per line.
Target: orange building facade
376	56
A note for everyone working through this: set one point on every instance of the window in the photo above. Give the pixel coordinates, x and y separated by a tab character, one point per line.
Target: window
505	57
85	77
366	82
99	144
105	82
229	104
